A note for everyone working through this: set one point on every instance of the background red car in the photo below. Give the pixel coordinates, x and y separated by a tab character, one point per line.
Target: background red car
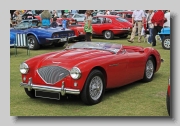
79	32
110	26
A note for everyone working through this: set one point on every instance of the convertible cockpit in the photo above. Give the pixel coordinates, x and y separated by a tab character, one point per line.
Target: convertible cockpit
114	48
25	24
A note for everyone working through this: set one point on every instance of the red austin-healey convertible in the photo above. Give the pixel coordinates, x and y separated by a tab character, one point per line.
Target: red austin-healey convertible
87	69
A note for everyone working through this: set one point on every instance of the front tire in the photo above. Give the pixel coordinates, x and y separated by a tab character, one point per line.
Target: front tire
31	93
94	88
166	42
108	35
33	43
168	103
149	70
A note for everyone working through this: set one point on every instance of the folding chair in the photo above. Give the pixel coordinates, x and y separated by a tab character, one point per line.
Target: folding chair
21	41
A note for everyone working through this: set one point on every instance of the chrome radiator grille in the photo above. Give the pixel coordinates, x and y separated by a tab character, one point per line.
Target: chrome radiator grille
52	74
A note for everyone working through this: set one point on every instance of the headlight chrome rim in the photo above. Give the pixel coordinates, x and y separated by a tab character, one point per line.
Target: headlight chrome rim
75	73
24	68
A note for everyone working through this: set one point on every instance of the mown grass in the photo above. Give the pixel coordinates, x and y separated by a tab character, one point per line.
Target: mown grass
136	99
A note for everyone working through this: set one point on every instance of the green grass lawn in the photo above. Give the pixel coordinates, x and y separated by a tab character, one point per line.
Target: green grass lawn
136	99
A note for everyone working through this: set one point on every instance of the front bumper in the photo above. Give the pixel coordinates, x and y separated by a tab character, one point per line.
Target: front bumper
61	90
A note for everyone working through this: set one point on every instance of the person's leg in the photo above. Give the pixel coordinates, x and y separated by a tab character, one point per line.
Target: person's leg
139	31
133	33
150	35
159	31
88	36
154	36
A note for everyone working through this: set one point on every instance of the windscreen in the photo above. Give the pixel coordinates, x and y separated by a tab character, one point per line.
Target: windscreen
112	47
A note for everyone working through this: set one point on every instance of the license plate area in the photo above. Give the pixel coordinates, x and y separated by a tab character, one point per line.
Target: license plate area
63	39
49	95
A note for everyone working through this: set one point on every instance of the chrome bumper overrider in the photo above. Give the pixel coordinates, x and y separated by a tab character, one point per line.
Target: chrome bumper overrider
61	90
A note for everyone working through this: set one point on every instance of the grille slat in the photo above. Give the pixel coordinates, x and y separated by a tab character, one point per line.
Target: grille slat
52	74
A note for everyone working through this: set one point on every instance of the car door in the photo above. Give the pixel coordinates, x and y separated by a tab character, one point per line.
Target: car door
97	25
136	66
107	24
117	70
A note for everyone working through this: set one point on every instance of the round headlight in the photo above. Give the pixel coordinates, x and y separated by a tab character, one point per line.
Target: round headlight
24	68
75	73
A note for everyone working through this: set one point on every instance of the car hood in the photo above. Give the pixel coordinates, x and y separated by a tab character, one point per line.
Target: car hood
72	57
50	30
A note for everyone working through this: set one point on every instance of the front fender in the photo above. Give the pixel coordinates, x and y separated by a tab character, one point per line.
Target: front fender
31	33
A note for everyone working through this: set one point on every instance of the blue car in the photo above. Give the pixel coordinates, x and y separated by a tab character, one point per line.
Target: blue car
41	35
165	37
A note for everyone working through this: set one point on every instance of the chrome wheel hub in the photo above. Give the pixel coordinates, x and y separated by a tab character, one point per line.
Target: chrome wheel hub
149	69
31	43
96	88
167	43
107	34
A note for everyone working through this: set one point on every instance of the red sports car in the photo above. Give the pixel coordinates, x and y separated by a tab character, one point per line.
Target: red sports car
128	16
168	97
87	69
110	26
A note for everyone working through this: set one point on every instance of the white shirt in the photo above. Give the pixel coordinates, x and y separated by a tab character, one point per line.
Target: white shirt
108	13
148	19
138	15
167	16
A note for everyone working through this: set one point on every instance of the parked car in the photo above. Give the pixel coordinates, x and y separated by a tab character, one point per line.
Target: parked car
78	31
88	69
110	26
124	14
41	35
78	17
165	36
168	97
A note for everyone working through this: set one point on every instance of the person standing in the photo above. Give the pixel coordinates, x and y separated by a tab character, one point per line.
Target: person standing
62	13
107	12
54	23
65	22
88	25
30	14
46	18
137	21
150	26
18	17
158	21
167	16
54	13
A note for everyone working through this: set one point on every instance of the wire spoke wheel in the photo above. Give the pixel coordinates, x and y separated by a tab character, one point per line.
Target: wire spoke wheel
96	87
149	69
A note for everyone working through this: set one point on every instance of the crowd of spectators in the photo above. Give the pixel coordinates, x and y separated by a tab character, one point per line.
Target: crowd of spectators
155	20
